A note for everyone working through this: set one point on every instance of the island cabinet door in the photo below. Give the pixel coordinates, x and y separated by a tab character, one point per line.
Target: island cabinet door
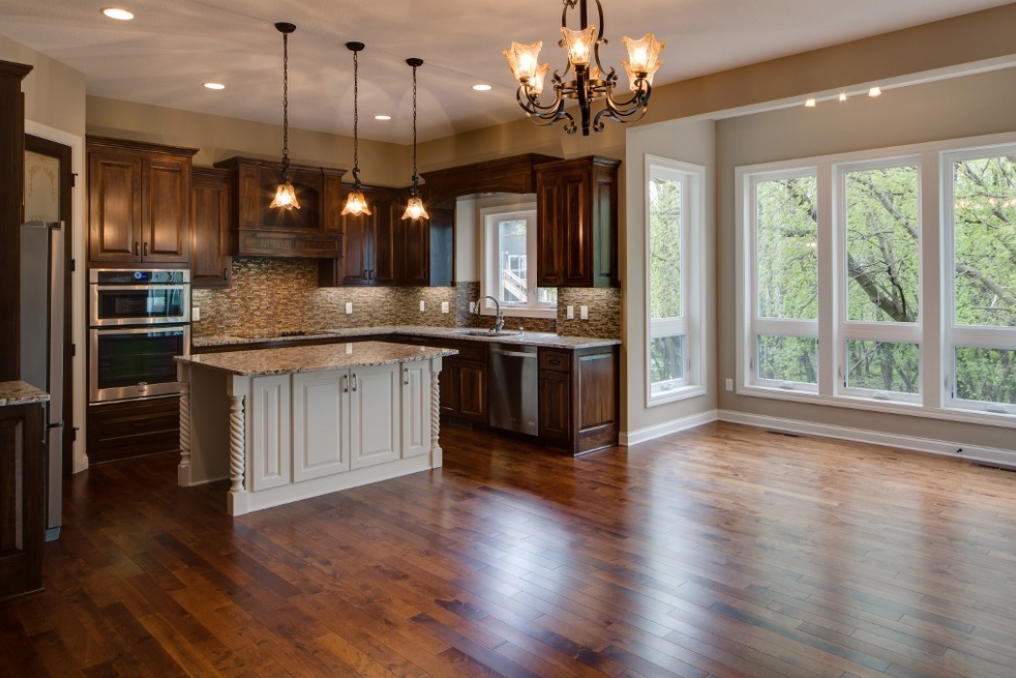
320	424
415	408
268	420
375	436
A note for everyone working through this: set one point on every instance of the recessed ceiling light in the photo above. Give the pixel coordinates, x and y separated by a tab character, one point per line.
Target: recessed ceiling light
810	103
481	88
874	91
843	96
215	85
117	13
382	117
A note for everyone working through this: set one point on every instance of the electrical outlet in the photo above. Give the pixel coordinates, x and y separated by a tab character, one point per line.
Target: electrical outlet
570	312
730	384
444	306
584	312
472	307
349	349
423	305
195	313
349	307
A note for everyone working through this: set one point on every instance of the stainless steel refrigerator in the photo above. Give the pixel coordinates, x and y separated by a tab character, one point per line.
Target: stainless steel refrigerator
42	349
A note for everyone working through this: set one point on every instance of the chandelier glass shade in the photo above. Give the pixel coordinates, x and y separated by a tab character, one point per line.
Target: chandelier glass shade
356	203
584	79
285	194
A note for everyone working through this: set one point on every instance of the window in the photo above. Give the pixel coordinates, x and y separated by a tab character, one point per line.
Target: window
833	303
509	263
785	275
980	216
673	244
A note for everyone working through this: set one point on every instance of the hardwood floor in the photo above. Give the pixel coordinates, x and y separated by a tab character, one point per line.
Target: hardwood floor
727	552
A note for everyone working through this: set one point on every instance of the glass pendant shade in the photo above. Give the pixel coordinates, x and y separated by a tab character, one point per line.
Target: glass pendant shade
579	44
643	53
356	204
415	209
523	60
536	83
634	77
285	197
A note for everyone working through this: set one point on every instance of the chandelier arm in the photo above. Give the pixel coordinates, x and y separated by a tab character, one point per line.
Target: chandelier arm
530	103
630	110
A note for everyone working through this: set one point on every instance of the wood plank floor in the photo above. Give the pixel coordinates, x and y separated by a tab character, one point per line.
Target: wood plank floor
726	552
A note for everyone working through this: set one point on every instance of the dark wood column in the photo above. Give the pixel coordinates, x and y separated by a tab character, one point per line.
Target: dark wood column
12	192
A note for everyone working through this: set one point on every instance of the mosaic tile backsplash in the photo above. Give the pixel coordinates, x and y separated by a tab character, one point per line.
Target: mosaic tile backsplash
272	296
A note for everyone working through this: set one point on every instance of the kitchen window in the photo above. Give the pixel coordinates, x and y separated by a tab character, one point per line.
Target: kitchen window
674	355
509	263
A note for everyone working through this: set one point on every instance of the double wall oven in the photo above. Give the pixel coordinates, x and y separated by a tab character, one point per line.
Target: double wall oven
139	320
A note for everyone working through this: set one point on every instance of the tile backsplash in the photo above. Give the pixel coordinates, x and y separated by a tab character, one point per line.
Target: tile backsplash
271	296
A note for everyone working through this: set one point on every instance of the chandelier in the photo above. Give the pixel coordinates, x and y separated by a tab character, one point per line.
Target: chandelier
588	82
356	203
285	194
415	208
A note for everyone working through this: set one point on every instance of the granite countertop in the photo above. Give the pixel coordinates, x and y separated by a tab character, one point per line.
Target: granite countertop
20	393
547	339
290	359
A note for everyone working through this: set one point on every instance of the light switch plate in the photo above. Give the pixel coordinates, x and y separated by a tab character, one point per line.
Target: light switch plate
472	307
423	305
349	307
195	313
570	312
584	312
730	384
444	306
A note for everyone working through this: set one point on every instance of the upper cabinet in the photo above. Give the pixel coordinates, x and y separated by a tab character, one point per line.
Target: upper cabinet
138	202
577	222
513	174
314	230
211	224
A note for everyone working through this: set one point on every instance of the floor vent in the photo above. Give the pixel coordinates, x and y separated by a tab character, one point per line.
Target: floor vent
784	433
993	467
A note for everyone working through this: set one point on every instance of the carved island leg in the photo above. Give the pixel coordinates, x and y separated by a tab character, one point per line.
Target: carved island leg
237	452
436	453
183	471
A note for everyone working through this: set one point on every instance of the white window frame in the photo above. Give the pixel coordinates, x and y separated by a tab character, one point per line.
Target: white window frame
690	324
938	334
965	336
489	261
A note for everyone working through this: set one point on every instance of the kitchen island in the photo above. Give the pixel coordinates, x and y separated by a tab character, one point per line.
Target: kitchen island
285	424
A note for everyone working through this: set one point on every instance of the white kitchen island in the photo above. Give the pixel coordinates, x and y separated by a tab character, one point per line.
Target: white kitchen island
285	424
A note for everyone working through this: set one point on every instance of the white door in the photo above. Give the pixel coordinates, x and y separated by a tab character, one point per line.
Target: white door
320	424
268	420
374	413
415	408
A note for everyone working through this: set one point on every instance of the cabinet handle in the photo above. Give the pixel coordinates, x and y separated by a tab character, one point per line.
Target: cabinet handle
405	376
137	249
345	383
225	274
554	361
354	383
146	250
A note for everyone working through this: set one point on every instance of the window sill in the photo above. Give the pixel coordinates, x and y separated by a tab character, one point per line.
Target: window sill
675	395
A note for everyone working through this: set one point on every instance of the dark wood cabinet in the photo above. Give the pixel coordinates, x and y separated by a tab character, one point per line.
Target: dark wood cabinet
426	254
138	202
577	222
464	377
513	174
313	231
369	242
578	392
211	260
121	430
22	499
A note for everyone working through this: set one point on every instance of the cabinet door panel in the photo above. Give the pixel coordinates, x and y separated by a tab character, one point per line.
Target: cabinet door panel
549	257
473	390
449	383
596	390
385	243
114	205
268	421
320	425
575	230
211	262
168	235
415	408
358	248
374	408
555	405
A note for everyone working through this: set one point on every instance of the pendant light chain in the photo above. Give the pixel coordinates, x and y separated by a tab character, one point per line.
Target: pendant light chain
356	120
285	106
416	176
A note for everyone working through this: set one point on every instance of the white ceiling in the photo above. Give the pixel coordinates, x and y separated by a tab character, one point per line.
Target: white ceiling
164	55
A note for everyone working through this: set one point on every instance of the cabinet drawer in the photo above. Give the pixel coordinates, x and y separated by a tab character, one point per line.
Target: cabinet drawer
556	361
129	429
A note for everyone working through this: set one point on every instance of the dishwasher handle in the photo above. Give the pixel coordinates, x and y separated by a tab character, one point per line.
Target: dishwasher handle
517	354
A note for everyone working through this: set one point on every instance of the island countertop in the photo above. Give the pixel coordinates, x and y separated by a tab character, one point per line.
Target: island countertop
20	393
294	359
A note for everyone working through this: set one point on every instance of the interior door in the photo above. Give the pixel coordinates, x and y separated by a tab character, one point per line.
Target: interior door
48	183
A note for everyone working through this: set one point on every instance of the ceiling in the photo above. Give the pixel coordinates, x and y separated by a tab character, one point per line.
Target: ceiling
164	55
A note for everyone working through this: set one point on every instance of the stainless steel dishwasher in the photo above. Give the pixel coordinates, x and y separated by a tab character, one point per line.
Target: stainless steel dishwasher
513	388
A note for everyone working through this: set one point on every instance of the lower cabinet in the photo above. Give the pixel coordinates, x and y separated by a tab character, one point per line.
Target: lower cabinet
464	377
341	420
121	430
22	499
578	392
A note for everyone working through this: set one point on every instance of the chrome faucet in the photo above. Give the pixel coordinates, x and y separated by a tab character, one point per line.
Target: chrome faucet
499	323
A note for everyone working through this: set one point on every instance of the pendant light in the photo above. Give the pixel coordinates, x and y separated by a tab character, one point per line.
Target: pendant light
285	194
355	202
415	208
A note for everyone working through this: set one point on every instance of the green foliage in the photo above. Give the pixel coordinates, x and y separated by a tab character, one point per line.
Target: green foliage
787	248
986	375
665	231
666	359
788	359
884	366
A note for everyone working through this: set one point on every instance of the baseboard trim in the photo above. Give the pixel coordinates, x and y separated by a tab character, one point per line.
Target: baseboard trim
628	438
944	448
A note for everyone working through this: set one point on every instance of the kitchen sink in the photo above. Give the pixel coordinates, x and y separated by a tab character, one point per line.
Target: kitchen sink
478	332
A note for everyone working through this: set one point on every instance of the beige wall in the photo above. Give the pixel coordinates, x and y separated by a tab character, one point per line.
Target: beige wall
961	107
54	93
218	138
